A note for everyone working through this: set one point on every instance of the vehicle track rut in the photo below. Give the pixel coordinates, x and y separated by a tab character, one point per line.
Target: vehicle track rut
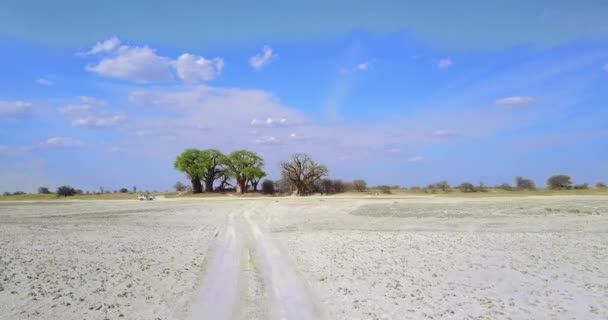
251	277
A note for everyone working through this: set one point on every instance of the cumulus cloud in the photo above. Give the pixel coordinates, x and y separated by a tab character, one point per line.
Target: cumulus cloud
104	46
444	63
415	159
137	64
90	112
14	109
61	142
144	65
515	101
44	82
100	121
261	59
191	68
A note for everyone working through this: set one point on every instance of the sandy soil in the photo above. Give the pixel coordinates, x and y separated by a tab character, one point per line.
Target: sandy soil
311	258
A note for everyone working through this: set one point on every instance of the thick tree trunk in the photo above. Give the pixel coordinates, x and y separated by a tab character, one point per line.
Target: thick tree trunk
241	185
254	184
209	185
197	187
299	189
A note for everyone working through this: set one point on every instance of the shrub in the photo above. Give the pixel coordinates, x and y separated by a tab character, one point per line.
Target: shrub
6	193
467	187
522	183
65	191
559	182
179	186
504	186
601	185
43	190
442	185
267	186
339	186
19	193
327	186
582	186
123	190
359	185
384	189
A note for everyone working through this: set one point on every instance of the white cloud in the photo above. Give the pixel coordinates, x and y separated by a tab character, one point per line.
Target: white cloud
605	67
61	142
191	68
90	112
293	135
263	58
442	133
444	63
267	141
100	121
269	122
144	65
104	46
137	64
83	106
44	82
364	66
14	109
415	159
393	150
516	101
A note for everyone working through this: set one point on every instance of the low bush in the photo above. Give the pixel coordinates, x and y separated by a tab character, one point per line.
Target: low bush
384	189
268	186
65	191
467	187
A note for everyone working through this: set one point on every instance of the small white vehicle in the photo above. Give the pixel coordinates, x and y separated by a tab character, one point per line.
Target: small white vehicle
145	197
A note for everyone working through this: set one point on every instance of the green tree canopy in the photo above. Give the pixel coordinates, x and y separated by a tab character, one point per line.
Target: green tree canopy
192	163
214	163
240	165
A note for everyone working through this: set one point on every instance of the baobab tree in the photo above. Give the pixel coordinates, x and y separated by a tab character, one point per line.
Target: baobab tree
241	164
302	172
192	163
214	163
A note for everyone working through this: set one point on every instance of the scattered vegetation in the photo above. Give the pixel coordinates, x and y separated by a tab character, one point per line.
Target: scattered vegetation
65	191
44	190
559	182
522	183
359	185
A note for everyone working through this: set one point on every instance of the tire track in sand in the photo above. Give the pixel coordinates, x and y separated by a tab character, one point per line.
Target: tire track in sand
249	277
216	298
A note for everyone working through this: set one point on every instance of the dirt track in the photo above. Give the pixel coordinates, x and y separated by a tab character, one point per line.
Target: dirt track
311	258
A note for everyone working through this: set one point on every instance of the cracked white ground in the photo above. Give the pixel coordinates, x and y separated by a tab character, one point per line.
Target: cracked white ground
306	258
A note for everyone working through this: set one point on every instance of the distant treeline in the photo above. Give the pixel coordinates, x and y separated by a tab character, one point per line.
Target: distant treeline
242	171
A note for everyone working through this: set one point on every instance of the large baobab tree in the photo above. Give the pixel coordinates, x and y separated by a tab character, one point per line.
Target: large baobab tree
192	163
302	172
214	163
241	164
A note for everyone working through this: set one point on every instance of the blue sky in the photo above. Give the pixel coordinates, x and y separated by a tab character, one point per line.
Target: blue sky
105	95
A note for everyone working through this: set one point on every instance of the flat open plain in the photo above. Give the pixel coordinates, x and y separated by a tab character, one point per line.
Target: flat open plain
306	258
